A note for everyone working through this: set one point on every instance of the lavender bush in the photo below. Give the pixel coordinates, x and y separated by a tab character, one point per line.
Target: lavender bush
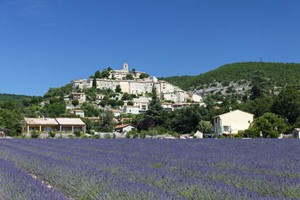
153	169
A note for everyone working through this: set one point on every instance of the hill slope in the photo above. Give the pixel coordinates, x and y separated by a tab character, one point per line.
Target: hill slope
12	97
277	75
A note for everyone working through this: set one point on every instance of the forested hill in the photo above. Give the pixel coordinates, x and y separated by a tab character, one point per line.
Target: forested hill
14	97
277	74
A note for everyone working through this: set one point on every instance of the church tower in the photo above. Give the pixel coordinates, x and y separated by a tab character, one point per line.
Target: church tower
125	66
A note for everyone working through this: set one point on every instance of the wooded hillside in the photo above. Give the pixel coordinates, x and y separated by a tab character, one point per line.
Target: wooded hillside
278	74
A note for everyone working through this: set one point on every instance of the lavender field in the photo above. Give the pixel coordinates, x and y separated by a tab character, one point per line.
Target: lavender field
149	169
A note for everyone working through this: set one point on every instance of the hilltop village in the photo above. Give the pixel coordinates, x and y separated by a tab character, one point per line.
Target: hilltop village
134	88
110	103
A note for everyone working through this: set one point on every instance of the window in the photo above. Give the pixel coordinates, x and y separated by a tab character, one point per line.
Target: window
226	128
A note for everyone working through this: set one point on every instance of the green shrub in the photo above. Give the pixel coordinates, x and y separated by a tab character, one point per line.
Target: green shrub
52	134
107	136
77	133
34	134
96	136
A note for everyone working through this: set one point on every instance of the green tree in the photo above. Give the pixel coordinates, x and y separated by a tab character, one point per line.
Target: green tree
130	103
127	96
269	125
154	108
105	74
153	115
144	75
205	126
90	110
118	89
120	103
97	74
91	93
287	104
129	77
55	109
260	86
258	106
11	119
75	102
112	102
186	120
26	102
59	92
107	124
94	84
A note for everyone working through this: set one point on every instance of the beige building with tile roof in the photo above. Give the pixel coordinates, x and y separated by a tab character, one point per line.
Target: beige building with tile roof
52	124
40	124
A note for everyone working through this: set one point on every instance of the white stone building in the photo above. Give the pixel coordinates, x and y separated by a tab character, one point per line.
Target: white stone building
132	110
81	97
79	113
142	103
195	98
232	122
125	128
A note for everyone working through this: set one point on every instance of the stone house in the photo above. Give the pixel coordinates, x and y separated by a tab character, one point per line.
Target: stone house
142	103
81	97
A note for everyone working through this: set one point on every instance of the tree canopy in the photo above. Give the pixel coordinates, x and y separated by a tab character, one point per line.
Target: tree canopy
269	125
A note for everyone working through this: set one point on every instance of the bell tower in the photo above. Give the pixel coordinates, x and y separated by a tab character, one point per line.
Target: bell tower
125	66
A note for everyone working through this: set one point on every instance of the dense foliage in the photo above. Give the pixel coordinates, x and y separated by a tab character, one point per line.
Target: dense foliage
150	169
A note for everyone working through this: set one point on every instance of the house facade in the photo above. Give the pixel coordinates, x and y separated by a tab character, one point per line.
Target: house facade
70	124
142	103
232	122
125	128
132	110
40	124
81	97
53	124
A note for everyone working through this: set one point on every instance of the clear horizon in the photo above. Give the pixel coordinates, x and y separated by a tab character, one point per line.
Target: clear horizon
50	43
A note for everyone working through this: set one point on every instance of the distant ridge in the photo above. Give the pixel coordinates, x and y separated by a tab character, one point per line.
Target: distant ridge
15	97
278	74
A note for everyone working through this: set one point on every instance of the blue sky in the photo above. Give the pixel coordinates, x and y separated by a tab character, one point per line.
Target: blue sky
48	43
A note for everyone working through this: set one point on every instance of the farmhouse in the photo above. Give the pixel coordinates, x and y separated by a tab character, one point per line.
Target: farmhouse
232	122
52	124
124	128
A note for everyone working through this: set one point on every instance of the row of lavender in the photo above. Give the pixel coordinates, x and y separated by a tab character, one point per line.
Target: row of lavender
17	184
148	169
